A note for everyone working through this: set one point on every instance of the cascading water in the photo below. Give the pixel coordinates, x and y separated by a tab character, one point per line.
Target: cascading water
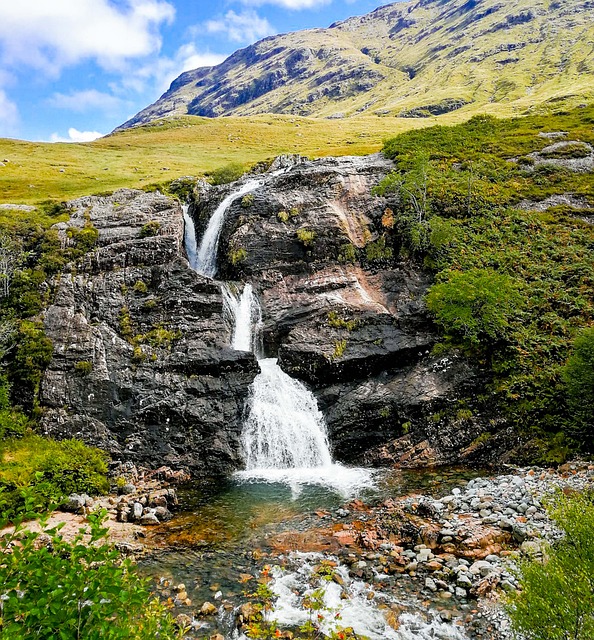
190	237
245	315
206	258
284	428
284	436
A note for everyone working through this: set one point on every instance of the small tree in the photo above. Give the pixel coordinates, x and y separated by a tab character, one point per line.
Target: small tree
475	305
11	258
556	601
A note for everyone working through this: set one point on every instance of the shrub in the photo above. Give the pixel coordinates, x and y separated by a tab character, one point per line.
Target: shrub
283	216
47	471
229	173
578	375
237	256
140	287
248	201
338	322
83	367
306	236
53	588
556	600
150	229
348	253
339	349
475	305
378	252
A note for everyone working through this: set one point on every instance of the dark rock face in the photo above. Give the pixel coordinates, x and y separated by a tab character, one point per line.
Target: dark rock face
140	366
356	331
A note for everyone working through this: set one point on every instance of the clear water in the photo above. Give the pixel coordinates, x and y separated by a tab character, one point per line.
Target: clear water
227	528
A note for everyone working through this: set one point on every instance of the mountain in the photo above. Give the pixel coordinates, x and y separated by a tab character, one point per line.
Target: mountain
408	59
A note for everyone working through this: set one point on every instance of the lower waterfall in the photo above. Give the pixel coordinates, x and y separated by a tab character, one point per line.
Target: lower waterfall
284	436
284	428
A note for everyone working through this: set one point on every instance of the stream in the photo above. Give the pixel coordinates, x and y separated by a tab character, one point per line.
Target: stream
264	522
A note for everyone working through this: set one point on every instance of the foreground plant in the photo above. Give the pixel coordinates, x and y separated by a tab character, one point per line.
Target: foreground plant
55	589
556	601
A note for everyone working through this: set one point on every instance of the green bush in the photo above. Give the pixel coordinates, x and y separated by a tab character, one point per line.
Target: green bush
56	589
476	305
237	256
229	173
578	375
378	252
556	600
306	237
48	470
140	287
150	229
83	367
248	201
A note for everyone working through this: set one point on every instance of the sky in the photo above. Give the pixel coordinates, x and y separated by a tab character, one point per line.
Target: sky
72	70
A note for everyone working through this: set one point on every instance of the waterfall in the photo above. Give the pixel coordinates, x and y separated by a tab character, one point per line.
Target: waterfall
190	237
284	428
284	436
245	314
206	259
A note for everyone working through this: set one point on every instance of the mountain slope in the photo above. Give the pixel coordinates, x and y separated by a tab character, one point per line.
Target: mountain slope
411	59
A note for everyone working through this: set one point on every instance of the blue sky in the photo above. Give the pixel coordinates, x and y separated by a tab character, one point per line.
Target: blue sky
73	69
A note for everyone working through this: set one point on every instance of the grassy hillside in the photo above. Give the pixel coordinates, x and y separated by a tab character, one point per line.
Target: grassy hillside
411	59
36	172
503	212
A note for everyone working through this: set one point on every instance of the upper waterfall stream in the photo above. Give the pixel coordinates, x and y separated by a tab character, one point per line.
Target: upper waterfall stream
206	258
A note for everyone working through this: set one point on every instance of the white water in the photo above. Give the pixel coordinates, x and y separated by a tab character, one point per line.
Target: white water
284	429
190	237
284	437
246	316
352	604
206	258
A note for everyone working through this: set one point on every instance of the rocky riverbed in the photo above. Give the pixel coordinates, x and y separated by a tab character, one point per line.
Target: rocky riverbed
412	566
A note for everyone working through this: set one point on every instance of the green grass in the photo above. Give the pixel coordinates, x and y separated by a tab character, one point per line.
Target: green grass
184	146
514	288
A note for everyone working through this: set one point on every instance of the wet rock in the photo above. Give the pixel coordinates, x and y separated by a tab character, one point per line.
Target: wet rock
208	609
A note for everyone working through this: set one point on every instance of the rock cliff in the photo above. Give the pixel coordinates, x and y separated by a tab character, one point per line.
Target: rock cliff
141	363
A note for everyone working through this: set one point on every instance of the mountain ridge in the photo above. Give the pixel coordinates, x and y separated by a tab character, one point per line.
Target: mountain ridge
409	59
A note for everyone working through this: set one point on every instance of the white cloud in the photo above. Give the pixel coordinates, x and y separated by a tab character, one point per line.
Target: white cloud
81	101
295	5
9	115
50	35
246	26
74	135
159	74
